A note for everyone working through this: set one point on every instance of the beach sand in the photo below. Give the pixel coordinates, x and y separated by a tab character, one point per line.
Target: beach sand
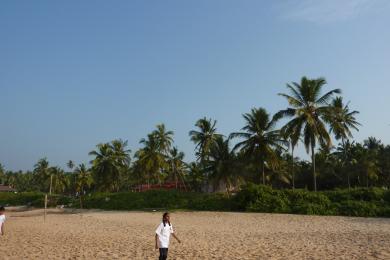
205	235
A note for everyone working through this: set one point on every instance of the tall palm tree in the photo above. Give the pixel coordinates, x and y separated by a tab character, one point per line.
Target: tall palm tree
84	180
177	165
111	160
58	179
42	174
222	165
164	138
345	154
70	164
260	139
151	159
292	137
204	137
342	120
195	176
120	152
309	109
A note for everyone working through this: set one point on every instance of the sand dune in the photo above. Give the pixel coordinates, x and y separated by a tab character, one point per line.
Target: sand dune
205	235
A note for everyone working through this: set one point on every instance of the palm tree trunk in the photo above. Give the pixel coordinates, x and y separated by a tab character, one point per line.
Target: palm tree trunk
345	162
292	168
51	183
314	168
81	199
263	173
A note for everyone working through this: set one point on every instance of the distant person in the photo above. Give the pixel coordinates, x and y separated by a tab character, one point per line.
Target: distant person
163	232
2	220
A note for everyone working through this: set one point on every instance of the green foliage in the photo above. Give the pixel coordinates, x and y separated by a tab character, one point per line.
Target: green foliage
34	199
252	198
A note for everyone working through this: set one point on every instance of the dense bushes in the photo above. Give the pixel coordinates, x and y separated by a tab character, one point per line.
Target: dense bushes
34	199
373	202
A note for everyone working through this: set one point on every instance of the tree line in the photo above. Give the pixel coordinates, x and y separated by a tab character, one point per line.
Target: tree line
261	152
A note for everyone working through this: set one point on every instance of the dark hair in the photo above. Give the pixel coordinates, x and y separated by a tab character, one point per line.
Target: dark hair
2	208
163	219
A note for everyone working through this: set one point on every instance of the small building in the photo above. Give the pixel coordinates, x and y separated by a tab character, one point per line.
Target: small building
5	188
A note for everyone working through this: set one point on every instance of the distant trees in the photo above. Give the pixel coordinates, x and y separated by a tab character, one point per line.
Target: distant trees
261	152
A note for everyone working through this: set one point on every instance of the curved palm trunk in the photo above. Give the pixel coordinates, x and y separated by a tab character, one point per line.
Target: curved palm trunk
314	168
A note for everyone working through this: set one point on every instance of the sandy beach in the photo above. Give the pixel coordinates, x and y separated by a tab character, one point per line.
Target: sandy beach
205	235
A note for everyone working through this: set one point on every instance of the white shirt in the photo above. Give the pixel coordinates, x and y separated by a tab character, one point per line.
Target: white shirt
2	220
163	234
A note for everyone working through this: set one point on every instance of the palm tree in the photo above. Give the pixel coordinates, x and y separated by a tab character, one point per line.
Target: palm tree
204	137
292	136
164	139
151	159
195	176
260	139
111	160
222	164
342	120
59	180
177	165
345	155
70	164
42	173
84	180
309	110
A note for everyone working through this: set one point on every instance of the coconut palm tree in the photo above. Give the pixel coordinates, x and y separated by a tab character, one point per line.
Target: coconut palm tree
111	160
292	137
195	176
58	179
42	174
342	120
204	137
151	159
164	139
309	110
260	139
70	165
177	165
344	152
84	180
222	164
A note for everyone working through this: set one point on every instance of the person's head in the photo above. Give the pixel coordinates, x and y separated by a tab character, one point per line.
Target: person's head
2	209
166	219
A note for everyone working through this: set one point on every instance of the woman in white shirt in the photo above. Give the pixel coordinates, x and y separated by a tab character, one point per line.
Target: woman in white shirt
163	233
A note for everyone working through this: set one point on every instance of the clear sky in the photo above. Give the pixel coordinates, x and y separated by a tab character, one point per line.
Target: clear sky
77	73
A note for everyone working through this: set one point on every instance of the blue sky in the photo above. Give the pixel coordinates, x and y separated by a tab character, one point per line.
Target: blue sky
77	73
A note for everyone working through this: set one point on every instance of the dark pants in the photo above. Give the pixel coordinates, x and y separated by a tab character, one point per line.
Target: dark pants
163	254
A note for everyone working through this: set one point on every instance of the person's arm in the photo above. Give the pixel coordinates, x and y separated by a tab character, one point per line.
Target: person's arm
178	240
156	241
2	229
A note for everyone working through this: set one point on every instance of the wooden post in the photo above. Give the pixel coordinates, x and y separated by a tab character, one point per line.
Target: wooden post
44	213
51	182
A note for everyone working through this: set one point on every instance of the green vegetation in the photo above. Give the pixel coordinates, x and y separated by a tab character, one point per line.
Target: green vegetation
261	152
361	202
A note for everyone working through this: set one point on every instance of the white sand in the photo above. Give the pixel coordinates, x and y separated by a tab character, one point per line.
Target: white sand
205	235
